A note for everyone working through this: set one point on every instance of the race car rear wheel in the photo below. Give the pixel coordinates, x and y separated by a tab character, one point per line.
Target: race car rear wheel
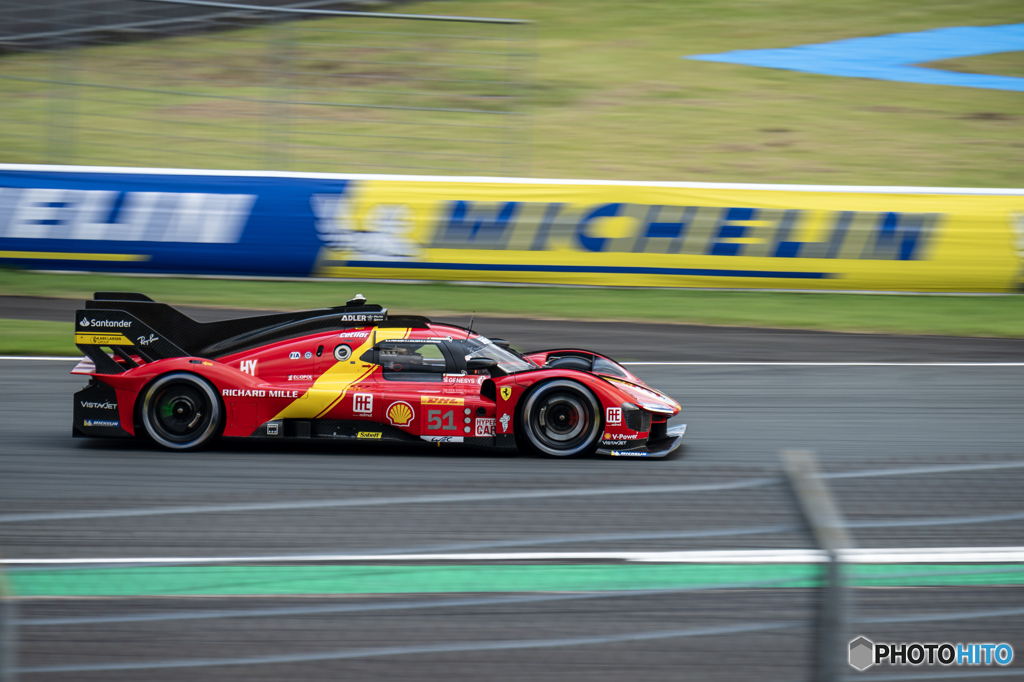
561	418
181	411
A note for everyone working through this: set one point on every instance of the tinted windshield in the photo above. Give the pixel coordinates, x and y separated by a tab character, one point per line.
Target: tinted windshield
411	357
508	361
603	366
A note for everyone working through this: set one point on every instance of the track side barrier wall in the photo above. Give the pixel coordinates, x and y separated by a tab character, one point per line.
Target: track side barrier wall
512	230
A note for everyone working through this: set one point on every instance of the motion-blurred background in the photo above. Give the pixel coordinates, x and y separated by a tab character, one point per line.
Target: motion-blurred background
331	129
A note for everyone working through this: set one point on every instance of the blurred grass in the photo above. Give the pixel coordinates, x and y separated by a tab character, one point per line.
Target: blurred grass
610	97
241	99
998	64
996	316
35	337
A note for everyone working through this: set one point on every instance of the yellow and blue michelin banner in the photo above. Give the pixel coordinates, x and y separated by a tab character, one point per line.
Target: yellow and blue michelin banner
512	230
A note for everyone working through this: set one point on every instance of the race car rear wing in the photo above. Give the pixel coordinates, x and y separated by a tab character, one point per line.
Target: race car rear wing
126	337
134	327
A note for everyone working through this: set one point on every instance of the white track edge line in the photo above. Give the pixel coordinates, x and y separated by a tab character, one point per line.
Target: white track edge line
421	649
391	500
914	555
480	497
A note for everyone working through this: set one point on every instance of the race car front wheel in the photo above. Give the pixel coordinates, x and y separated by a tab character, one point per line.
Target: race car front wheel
561	419
181	411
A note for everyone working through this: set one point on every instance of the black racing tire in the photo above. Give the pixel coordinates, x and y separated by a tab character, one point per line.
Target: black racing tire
560	418
181	411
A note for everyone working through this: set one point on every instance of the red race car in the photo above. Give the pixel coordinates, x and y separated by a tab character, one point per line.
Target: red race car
351	373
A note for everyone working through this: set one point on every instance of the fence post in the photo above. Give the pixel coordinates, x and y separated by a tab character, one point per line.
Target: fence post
8	639
827	527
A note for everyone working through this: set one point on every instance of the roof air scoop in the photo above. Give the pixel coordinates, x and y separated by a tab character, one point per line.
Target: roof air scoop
357	300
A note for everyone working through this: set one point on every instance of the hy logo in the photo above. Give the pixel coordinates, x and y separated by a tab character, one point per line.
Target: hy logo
862	653
249	367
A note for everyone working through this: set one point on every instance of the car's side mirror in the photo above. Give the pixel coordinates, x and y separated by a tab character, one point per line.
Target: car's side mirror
481	363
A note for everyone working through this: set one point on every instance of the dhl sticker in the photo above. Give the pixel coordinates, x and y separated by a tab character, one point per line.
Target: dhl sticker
438	400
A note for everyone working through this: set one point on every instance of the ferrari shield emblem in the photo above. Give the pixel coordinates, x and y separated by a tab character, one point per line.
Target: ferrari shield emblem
506	392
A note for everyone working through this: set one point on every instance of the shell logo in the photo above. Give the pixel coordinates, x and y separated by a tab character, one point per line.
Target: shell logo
401	413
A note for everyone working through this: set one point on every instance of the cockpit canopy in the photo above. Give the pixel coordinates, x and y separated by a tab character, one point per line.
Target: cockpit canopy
430	359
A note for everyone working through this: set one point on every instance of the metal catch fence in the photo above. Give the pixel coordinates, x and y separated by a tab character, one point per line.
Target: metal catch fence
206	84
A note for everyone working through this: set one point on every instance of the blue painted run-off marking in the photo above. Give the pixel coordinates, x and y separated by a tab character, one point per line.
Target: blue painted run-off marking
893	57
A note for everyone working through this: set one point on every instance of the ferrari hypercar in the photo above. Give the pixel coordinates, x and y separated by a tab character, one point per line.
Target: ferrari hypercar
351	374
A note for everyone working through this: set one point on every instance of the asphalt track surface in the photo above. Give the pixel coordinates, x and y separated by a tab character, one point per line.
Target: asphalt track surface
917	456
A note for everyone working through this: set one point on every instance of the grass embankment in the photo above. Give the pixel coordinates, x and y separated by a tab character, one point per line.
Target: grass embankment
35	337
607	96
1001	316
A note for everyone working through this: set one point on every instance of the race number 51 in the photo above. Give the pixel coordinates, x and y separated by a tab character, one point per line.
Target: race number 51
438	422
613	416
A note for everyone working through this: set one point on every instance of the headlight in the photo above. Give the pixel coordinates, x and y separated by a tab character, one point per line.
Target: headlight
657	407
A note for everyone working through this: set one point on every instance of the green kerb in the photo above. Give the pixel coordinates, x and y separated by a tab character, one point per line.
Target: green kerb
306	580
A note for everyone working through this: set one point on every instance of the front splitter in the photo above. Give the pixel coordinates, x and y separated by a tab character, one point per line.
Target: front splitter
663	447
